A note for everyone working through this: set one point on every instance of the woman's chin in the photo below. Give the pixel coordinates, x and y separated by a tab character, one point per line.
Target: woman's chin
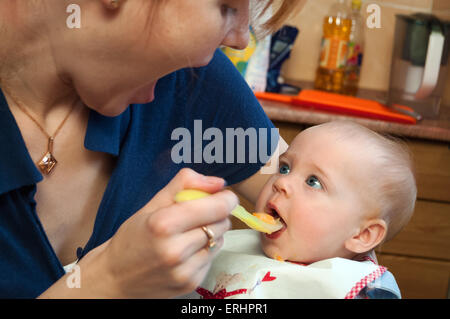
111	109
143	100
144	95
112	112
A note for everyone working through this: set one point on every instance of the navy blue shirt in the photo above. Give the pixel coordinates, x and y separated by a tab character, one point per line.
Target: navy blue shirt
141	140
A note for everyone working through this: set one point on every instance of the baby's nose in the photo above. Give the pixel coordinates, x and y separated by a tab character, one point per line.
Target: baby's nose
282	185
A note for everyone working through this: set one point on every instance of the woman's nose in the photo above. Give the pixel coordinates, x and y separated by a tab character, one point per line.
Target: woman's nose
239	33
237	38
281	185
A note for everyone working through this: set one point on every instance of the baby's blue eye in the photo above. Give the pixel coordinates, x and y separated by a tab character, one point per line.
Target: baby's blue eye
284	169
314	182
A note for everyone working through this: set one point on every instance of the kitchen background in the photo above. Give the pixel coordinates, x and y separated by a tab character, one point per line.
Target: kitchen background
303	62
419	256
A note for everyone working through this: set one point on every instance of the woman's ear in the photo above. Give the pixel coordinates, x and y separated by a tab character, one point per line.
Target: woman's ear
370	235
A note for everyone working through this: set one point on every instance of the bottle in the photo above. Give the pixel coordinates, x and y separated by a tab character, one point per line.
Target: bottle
333	54
355	50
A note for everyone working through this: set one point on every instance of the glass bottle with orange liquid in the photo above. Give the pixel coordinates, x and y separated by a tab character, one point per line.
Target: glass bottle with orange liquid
333	55
355	50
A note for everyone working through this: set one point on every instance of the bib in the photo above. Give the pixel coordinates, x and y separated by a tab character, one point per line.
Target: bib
242	271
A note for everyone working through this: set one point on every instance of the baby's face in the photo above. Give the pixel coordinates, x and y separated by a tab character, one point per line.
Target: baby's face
318	193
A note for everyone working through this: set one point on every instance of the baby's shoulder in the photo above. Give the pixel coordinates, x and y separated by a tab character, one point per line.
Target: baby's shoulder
384	287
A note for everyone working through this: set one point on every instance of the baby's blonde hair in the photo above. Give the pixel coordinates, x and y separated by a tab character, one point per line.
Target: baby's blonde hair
393	188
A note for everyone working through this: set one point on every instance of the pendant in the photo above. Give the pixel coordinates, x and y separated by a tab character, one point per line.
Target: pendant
48	161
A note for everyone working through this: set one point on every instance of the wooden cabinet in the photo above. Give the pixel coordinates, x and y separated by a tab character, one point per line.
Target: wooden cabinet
419	256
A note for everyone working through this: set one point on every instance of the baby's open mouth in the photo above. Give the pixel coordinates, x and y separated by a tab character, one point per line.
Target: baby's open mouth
272	210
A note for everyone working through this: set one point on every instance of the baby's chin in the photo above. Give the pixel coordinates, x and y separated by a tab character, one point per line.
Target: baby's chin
274	252
268	249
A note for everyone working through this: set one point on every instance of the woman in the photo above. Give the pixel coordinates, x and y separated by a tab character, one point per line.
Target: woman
87	114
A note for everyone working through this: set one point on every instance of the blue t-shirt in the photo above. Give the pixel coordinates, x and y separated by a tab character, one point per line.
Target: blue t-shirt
141	141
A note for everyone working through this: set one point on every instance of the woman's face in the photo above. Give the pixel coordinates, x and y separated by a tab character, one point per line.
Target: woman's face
188	32
120	55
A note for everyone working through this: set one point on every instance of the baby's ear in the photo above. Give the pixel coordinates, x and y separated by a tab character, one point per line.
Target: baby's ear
369	236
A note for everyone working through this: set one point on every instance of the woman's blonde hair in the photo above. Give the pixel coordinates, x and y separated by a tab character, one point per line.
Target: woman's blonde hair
282	10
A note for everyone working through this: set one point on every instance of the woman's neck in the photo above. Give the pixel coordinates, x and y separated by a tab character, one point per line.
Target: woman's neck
28	70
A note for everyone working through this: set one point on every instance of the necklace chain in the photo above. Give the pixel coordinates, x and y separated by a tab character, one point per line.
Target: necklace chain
48	161
21	106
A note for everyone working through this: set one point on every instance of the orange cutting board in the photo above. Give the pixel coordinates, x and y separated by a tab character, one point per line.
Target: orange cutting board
340	104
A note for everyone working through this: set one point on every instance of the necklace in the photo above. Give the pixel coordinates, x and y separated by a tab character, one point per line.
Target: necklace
48	162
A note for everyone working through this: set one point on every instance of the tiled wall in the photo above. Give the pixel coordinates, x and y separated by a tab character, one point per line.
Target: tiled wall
379	42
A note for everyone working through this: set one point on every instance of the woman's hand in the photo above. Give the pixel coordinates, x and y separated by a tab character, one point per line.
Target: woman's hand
160	251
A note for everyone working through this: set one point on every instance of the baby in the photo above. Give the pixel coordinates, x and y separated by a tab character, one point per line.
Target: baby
341	191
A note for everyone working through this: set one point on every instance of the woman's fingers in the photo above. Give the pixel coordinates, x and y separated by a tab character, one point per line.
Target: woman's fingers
181	217
163	246
192	241
185	179
188	275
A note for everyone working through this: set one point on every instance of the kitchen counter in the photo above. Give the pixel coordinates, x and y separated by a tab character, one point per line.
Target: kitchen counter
438	130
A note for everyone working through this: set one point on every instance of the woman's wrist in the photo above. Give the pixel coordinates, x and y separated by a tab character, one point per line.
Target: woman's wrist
90	278
95	275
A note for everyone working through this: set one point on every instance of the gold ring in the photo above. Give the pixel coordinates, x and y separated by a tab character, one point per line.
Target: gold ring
114	4
209	233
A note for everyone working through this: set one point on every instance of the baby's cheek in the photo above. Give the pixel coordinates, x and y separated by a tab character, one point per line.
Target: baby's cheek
259	207
263	198
321	242
306	234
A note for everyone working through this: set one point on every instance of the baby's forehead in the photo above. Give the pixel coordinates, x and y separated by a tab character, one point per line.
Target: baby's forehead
331	142
322	135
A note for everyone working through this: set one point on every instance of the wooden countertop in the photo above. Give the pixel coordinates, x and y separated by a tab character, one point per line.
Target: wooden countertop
438	130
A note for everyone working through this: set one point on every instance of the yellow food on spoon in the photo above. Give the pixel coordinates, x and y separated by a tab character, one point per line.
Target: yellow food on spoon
261	222
265	218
